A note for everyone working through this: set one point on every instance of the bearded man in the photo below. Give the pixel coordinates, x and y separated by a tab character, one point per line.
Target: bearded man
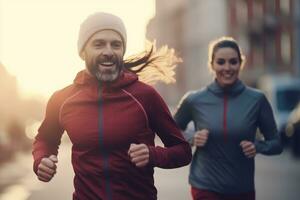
111	118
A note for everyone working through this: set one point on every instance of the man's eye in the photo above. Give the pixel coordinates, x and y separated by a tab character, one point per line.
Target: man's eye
117	45
99	44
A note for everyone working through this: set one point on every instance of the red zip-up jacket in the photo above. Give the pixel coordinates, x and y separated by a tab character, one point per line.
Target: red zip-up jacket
102	120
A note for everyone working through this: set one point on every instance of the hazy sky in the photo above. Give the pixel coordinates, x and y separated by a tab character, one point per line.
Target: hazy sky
38	38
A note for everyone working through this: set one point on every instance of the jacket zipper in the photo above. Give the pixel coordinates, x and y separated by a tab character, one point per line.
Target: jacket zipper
103	151
225	118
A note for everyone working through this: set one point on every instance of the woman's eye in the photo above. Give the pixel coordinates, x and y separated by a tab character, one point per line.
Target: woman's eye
233	61
221	62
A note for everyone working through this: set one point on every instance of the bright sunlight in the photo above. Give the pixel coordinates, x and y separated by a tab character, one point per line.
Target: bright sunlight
39	38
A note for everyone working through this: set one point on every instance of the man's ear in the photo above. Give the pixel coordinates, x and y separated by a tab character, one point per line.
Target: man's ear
82	55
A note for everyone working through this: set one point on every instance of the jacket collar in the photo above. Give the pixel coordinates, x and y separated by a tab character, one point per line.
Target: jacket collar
126	78
233	90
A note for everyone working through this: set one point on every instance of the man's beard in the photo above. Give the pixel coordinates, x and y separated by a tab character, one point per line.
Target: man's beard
108	74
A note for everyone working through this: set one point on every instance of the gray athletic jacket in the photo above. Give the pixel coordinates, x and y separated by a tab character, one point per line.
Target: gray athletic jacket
230	115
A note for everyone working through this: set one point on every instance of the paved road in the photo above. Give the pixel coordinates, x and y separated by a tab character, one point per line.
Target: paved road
277	178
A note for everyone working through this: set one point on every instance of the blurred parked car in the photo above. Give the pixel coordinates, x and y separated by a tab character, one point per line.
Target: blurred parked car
283	92
292	130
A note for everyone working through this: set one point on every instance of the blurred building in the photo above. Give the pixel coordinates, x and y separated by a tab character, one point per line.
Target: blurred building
15	114
268	32
9	98
187	26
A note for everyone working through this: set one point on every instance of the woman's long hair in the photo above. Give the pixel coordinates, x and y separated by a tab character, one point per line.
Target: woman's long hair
153	64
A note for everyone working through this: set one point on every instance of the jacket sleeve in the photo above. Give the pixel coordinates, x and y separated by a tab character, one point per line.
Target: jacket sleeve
183	116
176	151
271	145
49	133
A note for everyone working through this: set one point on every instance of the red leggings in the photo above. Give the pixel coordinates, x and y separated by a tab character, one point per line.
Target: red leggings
200	194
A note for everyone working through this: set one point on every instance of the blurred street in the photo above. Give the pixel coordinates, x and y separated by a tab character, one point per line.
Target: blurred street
38	56
277	178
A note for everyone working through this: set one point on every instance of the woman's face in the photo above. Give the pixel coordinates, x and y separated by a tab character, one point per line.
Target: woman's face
226	65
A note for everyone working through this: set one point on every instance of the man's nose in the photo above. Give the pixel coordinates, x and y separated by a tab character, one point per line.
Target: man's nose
107	51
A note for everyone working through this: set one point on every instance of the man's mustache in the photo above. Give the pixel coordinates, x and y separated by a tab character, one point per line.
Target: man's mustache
102	59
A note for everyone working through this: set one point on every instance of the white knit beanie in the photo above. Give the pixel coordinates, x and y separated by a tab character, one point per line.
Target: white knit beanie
97	22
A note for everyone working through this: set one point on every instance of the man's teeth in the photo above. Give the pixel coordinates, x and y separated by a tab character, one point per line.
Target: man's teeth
107	63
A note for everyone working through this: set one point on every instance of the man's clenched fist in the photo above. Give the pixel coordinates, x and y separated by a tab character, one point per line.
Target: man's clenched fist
47	168
139	154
